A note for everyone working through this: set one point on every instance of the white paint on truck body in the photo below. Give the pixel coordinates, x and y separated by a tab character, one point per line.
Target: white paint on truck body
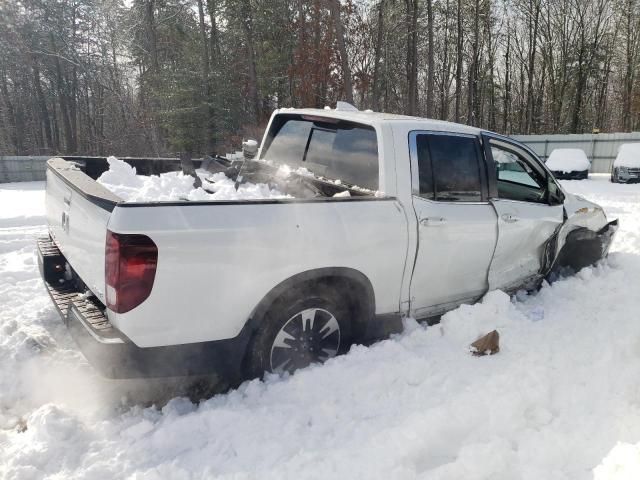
217	262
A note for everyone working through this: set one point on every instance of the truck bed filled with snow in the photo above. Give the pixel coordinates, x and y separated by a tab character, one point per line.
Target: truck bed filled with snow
628	156
123	180
568	160
559	401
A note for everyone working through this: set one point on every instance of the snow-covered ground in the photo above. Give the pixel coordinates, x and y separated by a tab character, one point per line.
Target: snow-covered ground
560	401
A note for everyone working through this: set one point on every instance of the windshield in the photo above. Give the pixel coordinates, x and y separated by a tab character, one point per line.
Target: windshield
330	148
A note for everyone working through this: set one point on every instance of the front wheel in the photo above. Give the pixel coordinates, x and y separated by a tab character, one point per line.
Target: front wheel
614	176
298	332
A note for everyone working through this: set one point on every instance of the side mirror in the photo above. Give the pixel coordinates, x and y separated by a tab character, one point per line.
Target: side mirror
555	195
249	149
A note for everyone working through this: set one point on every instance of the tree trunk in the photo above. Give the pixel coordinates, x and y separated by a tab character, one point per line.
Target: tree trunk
334	5
472	99
445	80
459	45
206	84
411	19
42	105
492	94
247	25
70	142
215	41
151	32
629	70
533	37
16	135
377	56
507	84
430	60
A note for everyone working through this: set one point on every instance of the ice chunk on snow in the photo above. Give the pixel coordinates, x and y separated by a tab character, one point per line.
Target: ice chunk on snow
568	160
123	180
628	156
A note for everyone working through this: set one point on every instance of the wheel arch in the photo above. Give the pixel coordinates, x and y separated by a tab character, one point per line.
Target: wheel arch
582	247
360	291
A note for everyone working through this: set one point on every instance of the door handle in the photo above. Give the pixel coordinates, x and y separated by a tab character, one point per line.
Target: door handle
507	217
432	221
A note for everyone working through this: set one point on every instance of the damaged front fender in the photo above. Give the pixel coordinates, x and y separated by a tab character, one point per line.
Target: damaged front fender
584	247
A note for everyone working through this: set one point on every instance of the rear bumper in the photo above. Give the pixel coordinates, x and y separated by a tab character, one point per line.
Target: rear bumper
111	352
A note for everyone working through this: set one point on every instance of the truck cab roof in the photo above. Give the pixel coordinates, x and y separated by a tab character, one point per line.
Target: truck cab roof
374	119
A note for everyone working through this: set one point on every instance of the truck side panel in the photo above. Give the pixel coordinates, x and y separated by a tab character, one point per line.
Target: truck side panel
217	262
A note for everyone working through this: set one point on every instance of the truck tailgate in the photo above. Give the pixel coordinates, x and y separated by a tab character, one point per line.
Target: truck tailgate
78	210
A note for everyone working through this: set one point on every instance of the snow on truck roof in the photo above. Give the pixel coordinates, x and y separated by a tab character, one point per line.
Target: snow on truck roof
372	118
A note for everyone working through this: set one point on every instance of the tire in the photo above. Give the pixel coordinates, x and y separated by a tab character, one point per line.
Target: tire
285	341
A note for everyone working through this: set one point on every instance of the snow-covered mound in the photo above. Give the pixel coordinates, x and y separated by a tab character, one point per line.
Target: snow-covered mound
560	400
628	156
568	160
122	179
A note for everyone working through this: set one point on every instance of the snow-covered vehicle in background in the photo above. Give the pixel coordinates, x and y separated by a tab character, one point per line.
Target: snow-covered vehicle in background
626	166
379	217
569	164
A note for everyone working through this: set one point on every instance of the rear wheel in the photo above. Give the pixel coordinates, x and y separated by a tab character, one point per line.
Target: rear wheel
298	332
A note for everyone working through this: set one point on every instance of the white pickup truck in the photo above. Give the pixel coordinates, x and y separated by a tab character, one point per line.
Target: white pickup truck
437	214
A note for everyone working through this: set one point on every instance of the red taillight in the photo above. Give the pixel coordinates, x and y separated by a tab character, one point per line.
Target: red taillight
130	269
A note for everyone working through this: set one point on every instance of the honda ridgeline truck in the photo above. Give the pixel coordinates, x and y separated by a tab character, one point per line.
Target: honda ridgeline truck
428	215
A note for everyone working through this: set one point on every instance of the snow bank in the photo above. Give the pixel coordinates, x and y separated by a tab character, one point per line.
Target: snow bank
560	400
122	179
568	160
628	156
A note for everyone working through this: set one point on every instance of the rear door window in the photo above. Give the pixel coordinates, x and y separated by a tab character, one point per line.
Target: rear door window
337	150
449	167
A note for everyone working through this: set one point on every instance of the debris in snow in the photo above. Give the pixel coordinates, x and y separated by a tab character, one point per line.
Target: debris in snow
21	426
122	179
488	344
